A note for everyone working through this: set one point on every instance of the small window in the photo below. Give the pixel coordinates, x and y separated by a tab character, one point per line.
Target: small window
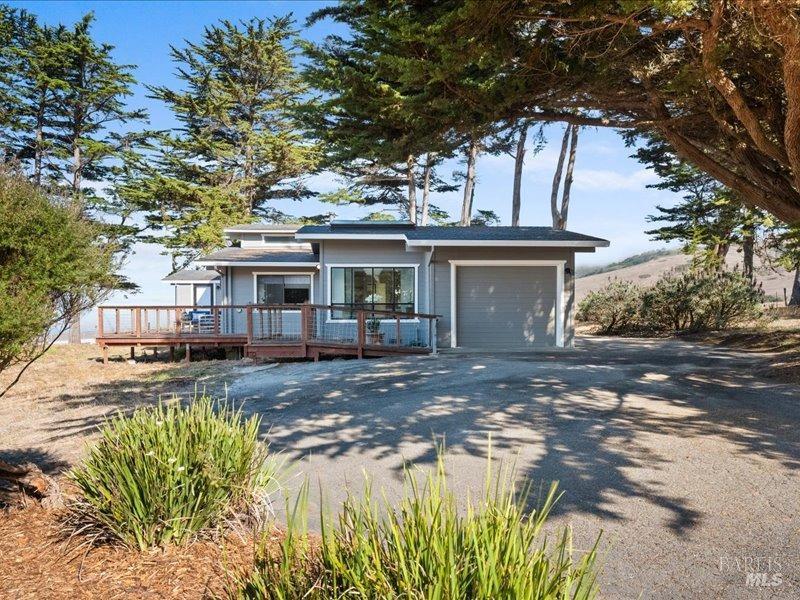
283	289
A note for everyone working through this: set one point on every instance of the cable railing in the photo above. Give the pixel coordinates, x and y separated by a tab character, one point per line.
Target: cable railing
361	327
364	328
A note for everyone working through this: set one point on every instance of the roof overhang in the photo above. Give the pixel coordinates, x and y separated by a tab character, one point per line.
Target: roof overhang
526	243
254	263
350	236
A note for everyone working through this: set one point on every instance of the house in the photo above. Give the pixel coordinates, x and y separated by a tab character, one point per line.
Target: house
494	288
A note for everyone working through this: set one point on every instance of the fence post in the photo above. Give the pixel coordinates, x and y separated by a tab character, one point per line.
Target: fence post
99	321
397	341
249	310
304	314
361	333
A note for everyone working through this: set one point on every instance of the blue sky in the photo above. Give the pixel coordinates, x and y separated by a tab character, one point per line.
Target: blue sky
609	197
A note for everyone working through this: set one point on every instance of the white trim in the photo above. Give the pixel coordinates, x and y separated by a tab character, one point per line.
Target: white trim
367	266
193	281
254	263
309	274
559	308
529	243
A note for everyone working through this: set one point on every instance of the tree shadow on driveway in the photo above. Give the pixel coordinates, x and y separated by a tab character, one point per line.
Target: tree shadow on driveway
608	420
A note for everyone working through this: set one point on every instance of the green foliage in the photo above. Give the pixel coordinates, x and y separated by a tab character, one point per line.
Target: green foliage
698	300
166	473
239	152
428	546
614	308
65	100
51	267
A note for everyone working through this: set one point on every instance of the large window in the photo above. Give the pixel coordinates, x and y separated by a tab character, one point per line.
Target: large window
371	288
283	289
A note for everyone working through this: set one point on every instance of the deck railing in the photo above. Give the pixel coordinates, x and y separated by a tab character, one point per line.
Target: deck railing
272	324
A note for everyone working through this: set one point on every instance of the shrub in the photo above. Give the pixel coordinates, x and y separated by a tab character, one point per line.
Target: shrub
426	548
167	472
700	301
614	308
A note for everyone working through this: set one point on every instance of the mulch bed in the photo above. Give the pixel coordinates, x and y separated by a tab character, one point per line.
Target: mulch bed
36	562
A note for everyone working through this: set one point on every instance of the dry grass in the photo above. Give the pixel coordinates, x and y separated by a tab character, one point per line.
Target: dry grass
35	562
57	405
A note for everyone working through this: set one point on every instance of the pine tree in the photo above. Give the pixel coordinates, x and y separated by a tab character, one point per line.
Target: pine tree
238	153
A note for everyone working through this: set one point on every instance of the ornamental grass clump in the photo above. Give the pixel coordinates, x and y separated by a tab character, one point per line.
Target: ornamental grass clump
429	546
168	472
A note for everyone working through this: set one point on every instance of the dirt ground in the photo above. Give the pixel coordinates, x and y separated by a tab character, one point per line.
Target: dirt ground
56	407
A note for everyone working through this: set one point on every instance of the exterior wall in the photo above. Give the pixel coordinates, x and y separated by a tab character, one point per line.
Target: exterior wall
376	252
441	279
183	294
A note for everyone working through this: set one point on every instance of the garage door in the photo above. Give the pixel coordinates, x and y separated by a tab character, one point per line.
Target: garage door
505	306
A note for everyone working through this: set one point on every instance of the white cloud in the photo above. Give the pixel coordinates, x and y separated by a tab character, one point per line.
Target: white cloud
608	180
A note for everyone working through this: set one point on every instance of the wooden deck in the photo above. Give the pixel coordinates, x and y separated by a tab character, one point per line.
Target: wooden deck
266	331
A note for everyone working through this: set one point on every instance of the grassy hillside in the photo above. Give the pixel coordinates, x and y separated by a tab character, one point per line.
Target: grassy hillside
636	259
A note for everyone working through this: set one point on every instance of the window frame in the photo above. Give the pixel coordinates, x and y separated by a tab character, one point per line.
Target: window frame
329	288
309	274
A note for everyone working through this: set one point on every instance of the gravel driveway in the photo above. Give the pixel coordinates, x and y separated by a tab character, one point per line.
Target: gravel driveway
682	455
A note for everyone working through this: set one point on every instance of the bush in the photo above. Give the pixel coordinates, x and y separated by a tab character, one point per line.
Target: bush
693	301
425	548
167	472
614	308
699	301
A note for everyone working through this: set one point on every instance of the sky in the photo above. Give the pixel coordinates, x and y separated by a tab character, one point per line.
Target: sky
609	199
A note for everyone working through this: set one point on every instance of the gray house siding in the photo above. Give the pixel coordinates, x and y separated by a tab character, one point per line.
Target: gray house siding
441	279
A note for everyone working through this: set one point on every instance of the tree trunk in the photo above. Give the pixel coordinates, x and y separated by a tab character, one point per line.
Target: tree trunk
412	189
554	211
519	161
469	184
426	189
562	221
794	300
75	336
748	247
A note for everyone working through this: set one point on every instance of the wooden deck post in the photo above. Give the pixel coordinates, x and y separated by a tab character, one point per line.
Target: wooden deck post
172	354
188	357
215	312
105	354
249	310
133	352
116	321
99	321
361	332
137	322
397	341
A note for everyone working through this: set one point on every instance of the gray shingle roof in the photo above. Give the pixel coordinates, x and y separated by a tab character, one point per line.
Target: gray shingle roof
267	255
544	234
193	275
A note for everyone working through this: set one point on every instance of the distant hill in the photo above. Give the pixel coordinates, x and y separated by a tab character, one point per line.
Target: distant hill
645	268
631	261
